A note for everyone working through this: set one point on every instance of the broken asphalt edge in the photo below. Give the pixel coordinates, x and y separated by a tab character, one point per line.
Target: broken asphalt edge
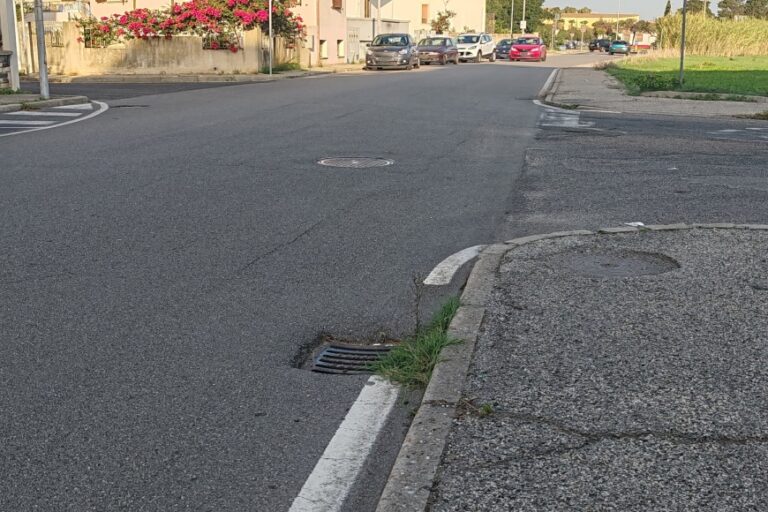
410	483
55	102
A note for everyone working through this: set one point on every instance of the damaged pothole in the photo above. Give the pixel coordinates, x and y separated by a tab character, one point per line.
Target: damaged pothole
340	356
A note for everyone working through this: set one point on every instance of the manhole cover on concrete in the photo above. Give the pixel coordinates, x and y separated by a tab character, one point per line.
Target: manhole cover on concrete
355	162
619	264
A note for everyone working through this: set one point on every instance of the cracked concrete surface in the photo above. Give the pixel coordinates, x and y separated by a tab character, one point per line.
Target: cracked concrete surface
640	393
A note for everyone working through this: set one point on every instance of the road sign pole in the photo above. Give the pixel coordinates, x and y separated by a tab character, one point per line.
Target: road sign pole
271	39
682	44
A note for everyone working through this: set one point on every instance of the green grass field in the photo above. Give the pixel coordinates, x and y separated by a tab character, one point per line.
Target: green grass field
729	75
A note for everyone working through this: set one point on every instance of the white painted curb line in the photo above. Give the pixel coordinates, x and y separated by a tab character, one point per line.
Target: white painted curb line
103	107
335	473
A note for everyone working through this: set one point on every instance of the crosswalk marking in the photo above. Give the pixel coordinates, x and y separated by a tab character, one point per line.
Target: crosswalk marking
49	114
4	122
562	119
79	106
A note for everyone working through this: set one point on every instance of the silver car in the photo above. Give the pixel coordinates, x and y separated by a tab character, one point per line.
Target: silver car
392	51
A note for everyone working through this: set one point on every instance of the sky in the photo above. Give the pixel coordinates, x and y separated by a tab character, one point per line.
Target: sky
647	9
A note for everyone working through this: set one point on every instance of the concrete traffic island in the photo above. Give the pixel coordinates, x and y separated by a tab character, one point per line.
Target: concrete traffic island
16	102
618	370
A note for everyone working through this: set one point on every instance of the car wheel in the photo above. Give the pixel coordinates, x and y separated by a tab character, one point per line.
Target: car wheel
478	57
493	57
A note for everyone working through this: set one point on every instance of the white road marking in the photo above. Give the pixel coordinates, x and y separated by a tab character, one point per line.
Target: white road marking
36	113
79	106
443	273
564	119
757	129
103	107
4	122
328	486
726	131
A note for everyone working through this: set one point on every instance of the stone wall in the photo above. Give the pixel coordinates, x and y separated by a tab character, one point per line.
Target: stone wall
179	55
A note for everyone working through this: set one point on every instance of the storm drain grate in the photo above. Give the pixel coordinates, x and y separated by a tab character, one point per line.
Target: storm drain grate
355	162
347	359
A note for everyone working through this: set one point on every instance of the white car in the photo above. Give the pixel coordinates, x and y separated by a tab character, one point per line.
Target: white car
475	47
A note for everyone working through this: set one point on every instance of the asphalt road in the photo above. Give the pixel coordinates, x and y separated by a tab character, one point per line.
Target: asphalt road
592	170
164	263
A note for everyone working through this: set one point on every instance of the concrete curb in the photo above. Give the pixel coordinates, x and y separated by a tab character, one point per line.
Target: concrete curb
410	483
547	91
171	79
55	102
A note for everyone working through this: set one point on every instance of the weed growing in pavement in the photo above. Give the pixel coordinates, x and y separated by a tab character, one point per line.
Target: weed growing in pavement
411	363
280	68
10	91
762	116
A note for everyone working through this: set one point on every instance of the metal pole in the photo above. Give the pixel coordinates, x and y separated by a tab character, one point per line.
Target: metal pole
512	19
682	44
523	19
271	40
378	17
41	60
618	15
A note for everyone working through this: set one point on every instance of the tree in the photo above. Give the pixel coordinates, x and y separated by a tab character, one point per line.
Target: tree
499	10
585	10
756	8
730	8
668	8
442	22
603	27
698	7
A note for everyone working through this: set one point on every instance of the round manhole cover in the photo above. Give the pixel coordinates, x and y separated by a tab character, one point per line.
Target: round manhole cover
355	162
620	264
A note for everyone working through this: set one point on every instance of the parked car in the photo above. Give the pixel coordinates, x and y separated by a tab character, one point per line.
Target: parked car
502	48
475	47
599	45
571	45
438	49
528	48
619	47
392	51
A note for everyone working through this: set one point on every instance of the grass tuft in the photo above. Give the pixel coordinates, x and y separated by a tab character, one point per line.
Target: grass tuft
281	68
411	363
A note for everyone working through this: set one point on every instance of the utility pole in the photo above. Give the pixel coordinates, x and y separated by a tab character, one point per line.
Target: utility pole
378	17
41	60
618	15
523	22
682	44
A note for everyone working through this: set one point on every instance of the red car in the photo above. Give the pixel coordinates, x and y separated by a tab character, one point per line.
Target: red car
528	48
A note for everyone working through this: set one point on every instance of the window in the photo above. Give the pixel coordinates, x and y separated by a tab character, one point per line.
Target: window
425	13
337	4
341	50
323	49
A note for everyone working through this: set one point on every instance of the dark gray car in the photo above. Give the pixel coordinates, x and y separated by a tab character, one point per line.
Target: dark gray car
392	51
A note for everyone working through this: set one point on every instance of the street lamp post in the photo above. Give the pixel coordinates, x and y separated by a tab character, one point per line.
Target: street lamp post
523	22
618	15
512	19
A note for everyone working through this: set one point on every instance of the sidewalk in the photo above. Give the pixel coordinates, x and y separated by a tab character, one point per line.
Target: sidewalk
204	78
624	370
16	102
592	89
